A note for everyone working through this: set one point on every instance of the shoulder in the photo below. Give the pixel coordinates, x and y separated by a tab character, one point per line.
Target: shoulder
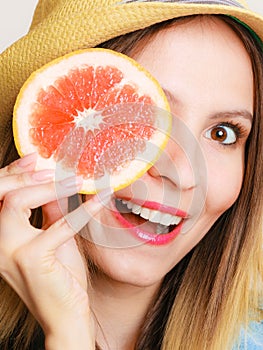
252	338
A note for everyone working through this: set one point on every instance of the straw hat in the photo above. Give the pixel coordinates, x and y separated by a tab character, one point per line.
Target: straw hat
61	26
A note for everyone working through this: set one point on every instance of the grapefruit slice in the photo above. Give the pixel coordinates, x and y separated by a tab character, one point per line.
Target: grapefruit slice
93	112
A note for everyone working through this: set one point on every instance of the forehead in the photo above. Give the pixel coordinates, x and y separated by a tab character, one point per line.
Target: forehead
201	57
199	35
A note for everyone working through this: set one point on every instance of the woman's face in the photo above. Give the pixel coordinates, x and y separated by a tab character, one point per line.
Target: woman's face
207	76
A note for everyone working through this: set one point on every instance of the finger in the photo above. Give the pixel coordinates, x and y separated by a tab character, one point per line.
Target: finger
69	256
20	165
66	228
17	204
13	182
79	217
53	211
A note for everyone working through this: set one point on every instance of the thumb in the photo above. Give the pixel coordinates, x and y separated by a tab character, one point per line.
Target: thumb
53	211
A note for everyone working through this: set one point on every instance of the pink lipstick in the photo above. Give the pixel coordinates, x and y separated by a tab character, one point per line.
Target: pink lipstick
148	237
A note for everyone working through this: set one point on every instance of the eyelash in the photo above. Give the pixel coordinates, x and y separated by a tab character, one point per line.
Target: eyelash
239	130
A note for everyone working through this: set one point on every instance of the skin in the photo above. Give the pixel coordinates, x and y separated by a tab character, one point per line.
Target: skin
206	73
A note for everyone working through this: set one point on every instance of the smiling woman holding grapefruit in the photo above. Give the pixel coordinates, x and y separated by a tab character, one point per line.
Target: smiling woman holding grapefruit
133	217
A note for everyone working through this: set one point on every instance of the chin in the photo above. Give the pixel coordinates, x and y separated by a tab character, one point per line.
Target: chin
136	267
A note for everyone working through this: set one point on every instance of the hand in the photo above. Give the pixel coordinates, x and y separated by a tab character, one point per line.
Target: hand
44	266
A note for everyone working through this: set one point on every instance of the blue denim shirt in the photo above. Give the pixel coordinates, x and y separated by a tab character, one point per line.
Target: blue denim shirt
253	339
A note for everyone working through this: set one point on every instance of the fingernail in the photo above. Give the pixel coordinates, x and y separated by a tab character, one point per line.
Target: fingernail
27	160
43	175
73	181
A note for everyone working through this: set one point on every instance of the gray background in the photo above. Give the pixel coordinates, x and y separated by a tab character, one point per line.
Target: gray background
16	15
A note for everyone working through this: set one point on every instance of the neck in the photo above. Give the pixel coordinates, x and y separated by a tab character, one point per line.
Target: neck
119	311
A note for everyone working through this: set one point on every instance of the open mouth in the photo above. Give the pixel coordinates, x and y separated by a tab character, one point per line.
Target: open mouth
150	223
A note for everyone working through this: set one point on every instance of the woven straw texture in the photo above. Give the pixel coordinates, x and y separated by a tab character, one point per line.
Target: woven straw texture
62	26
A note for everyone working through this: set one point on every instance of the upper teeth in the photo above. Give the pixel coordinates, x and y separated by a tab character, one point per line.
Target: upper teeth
153	215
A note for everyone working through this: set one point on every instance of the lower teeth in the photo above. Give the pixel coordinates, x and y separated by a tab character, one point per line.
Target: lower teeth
161	229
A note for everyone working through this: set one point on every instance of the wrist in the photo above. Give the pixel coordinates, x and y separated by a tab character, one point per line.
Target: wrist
69	342
74	335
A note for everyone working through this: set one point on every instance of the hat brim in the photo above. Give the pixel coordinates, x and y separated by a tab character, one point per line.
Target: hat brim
87	26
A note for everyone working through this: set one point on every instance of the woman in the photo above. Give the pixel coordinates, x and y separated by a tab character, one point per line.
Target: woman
200	289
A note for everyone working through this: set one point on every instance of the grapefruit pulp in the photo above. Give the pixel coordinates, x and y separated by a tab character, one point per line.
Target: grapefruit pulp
93	112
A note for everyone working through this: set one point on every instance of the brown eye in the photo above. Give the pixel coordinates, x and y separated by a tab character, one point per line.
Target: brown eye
219	134
222	134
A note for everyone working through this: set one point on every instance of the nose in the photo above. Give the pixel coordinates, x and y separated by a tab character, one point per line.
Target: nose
182	161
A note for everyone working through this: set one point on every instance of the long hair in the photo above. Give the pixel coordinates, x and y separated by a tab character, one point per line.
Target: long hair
215	289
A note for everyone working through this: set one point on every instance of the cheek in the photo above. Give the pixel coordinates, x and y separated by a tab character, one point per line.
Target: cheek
224	184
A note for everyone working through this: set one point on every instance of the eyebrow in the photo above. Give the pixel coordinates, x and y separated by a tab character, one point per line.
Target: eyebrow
219	115
233	114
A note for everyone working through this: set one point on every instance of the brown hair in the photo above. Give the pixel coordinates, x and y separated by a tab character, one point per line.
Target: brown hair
215	288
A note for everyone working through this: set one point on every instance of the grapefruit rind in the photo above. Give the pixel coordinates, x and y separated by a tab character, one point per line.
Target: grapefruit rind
133	72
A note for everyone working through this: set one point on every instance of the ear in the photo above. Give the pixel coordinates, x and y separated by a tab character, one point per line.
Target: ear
53	211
